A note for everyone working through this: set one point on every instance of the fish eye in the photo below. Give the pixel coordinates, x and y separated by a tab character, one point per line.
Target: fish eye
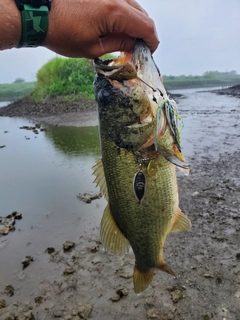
103	95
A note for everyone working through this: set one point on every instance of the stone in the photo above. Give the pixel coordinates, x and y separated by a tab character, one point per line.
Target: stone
176	295
9	290
2	303
50	250
84	310
26	261
68	271
68	245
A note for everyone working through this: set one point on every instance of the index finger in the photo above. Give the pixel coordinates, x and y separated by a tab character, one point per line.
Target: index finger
134	21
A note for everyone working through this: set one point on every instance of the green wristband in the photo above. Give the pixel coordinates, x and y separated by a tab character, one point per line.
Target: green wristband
34	26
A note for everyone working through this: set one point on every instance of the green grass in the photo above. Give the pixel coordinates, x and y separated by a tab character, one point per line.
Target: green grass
73	80
15	91
208	79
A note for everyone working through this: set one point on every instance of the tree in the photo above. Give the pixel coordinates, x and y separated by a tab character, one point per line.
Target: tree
19	80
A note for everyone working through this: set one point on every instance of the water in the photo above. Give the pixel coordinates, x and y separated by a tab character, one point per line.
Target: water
4	103
41	176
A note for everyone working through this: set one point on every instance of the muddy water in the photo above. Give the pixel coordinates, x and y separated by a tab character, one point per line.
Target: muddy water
41	174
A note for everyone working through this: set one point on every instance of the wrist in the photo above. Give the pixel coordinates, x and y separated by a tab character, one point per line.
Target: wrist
34	21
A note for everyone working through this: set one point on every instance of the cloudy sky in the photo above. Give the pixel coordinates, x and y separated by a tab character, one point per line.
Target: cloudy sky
196	36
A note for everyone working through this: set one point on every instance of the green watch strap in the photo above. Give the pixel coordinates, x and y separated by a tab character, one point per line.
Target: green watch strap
34	26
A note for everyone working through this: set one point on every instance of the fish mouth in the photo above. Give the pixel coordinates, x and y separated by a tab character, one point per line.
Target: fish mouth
114	70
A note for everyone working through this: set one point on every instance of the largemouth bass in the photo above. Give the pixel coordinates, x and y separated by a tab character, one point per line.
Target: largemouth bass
140	145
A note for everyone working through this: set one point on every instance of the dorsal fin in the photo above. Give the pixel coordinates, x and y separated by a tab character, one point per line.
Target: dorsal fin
100	178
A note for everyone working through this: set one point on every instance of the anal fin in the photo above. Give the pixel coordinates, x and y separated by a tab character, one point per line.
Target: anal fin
181	223
112	238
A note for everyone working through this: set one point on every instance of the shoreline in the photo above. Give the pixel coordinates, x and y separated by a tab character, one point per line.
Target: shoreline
62	112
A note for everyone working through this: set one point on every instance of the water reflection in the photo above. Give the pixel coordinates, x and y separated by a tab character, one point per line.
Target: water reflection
75	141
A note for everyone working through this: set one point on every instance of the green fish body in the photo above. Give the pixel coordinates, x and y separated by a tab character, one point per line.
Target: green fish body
137	173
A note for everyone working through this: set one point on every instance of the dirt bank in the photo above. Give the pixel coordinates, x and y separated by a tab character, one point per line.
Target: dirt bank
57	111
233	91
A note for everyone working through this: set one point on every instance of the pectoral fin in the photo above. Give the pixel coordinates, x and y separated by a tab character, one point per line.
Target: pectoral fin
112	238
182	223
100	178
175	158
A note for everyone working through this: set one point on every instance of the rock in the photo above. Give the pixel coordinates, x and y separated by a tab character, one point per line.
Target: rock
16	215
2	146
115	298
50	250
207	275
167	316
87	197
68	245
84	310
26	261
7	223
4	231
68	271
149	302
151	314
17	311
38	299
194	194
96	260
238	256
93	249
9	290
57	314
176	295
2	303
121	292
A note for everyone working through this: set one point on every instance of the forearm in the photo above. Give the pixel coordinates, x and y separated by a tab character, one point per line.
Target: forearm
10	24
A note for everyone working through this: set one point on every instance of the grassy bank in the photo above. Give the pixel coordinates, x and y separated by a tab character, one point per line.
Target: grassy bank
15	91
208	79
73	80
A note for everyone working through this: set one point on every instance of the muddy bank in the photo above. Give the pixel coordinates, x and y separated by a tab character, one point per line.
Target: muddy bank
206	259
85	282
58	111
233	91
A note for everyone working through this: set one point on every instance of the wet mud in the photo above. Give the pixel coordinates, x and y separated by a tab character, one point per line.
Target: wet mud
90	283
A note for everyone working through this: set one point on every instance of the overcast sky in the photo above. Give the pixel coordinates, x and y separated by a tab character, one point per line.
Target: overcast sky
196	36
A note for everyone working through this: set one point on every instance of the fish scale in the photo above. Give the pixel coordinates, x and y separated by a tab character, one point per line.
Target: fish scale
154	215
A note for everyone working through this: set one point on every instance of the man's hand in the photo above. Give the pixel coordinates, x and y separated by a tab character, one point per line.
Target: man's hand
91	28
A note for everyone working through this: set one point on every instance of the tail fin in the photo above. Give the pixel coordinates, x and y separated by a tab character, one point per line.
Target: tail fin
141	280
